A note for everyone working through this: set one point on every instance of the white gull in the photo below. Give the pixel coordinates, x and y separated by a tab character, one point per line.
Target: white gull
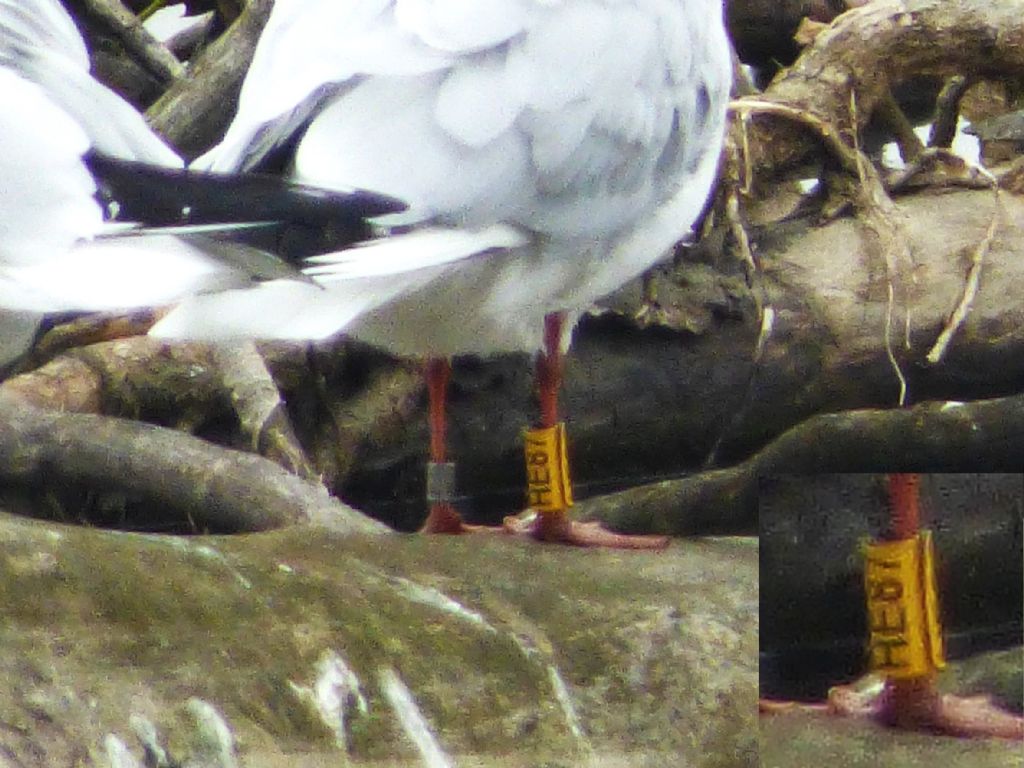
549	151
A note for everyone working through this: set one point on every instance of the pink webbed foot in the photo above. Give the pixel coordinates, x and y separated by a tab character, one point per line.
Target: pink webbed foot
444	519
964	716
560	529
977	716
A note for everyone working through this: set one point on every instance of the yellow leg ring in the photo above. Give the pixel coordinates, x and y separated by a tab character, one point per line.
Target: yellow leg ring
905	638
548	488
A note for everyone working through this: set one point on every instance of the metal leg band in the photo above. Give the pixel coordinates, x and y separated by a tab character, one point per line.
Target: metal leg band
440	482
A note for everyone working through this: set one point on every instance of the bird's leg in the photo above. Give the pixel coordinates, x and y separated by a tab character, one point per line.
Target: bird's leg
906	701
443	518
913	701
549	367
550	492
905	515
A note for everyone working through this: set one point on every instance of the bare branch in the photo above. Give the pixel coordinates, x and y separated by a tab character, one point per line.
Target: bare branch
196	109
869	48
124	25
985	435
217	488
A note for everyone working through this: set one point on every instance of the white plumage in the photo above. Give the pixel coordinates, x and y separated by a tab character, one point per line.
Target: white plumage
549	150
40	43
57	252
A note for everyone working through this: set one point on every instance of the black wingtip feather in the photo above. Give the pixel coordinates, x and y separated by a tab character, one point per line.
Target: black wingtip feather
157	196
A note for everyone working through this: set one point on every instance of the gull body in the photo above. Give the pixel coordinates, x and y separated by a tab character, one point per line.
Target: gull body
548	151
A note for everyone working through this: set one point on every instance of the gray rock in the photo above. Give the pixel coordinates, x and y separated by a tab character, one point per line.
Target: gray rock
515	654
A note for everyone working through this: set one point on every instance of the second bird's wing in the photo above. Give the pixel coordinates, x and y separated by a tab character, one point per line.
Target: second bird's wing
39	41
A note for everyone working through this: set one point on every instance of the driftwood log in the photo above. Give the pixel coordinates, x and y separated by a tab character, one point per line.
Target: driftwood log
984	435
211	487
869	49
197	109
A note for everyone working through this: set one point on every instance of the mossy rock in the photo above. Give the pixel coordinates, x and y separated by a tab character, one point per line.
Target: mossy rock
515	653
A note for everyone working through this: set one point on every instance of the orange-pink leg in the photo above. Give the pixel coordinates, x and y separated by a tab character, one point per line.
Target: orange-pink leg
443	517
557	526
915	703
